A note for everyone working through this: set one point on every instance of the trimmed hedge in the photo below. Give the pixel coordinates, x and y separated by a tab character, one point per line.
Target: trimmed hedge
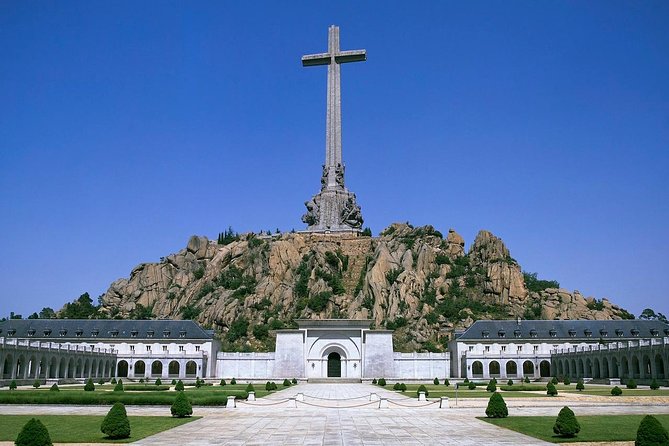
422	388
34	433
524	387
492	386
631	384
496	407
116	424
55	388
382	382
181	407
80	397
654	385
651	433
566	424
616	391
89	387
286	383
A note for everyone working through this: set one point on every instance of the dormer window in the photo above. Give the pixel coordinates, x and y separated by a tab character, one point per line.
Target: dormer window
572	333
79	332
603	332
182	334
62	332
635	332
552	332
619	332
47	332
133	333
516	333
501	334
485	333
11	332
95	332
166	333
587	332
533	333
31	332
654	332
114	333
149	333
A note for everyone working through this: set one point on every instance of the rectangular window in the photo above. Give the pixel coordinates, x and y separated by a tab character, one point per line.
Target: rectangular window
132	348
536	348
471	348
197	348
504	348
487	348
148	348
520	348
164	348
181	348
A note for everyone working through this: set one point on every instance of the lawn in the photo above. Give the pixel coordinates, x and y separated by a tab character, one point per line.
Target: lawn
593	427
436	391
203	396
86	428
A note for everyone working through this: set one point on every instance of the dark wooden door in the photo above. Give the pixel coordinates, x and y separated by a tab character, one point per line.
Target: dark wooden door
334	365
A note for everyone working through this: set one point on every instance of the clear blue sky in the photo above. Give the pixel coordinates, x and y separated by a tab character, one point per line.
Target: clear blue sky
126	127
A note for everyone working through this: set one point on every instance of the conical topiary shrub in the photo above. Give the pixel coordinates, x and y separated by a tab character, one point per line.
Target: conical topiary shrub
34	433
554	380
233	381
422	388
471	385
436	381
250	388
89	387
12	385
631	384
579	385
654	385
119	386
492	386
159	382
222	383
403	387
496	407
566	424
181	407
54	388
550	389
447	383
616	391
651	433
116	424
180	386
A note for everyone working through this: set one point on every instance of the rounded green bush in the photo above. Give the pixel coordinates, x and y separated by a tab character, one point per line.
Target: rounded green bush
54	388
89	387
174	381
268	386
250	388
233	381
181	407
471	385
654	385
496	407
551	390
198	383
116	424
579	385
651	433
631	384
101	381
436	381
527	380
382	382
403	387
554	380
141	380
566	424
447	383
179	387
34	433
286	383
159	382
492	386
119	386
422	388
396	386
566	381
222	382
616	391
509	382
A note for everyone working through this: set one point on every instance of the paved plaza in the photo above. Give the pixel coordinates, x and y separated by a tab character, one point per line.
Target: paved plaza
342	414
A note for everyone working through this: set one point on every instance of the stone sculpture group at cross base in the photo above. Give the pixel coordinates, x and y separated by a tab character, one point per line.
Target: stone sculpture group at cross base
334	208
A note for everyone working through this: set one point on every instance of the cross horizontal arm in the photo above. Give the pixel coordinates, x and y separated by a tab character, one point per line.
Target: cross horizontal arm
316	59
351	56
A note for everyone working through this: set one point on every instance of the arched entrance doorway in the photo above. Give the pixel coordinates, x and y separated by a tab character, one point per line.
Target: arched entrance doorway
334	365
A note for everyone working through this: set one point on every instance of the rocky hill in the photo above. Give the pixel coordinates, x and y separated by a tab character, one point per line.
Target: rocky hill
412	280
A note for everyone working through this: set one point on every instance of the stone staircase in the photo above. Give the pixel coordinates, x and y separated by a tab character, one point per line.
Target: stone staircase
334	380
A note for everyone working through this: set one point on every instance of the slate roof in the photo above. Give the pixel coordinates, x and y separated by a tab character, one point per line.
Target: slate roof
92	330
564	330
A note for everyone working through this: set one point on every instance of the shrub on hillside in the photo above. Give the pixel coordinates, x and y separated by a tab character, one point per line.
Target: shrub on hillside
471	385
222	383
567	381
12	385
422	388
579	385
159	382
616	391
447	383
651	433
496	407
654	385
233	381
566	424
492	386
551	390
631	384
436	381
181	407
116	424
34	433
119	386
54	388
89	387
382	382
179	387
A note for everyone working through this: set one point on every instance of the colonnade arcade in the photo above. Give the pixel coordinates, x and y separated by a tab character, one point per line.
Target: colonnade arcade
638	365
49	365
508	368
160	368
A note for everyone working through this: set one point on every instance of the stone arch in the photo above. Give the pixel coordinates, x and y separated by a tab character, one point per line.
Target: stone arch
334	365
659	366
8	366
605	368
33	367
173	368
511	368
53	368
122	369
574	370
20	367
94	368
596	368
636	369
544	369
528	368
493	369
477	369
140	368
580	368
625	367
191	368
647	370
614	371
156	368
559	367
62	368
79	369
87	368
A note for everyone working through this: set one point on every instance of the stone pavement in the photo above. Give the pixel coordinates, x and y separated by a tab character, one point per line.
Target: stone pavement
327	416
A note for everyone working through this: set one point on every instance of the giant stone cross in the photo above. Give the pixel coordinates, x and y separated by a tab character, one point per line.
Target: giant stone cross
334	208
